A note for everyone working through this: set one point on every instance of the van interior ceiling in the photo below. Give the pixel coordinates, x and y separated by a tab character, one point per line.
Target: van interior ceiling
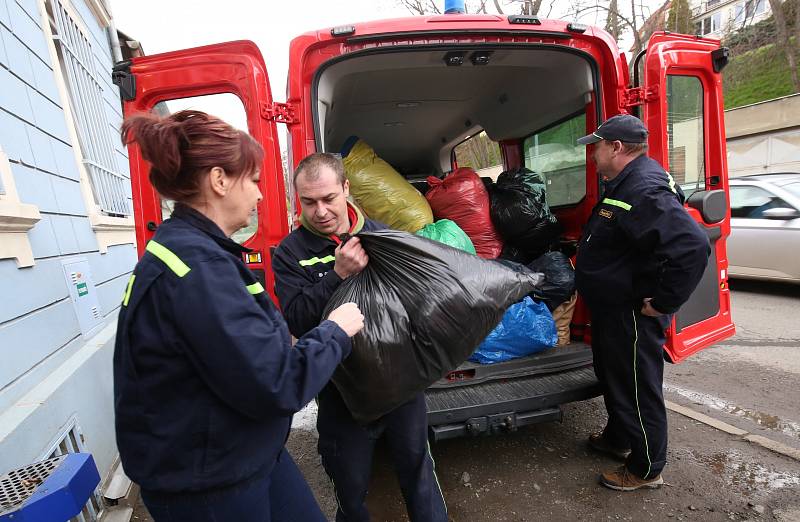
412	107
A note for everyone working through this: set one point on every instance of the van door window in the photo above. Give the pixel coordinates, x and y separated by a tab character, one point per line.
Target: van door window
555	154
685	132
481	154
226	106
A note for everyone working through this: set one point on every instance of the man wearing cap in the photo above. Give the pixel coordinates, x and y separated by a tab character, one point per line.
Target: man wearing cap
639	259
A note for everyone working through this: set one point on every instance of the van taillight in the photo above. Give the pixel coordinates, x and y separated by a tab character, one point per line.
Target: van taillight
460	375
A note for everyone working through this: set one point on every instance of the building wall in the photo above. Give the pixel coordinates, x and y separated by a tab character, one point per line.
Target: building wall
52	372
764	137
724	13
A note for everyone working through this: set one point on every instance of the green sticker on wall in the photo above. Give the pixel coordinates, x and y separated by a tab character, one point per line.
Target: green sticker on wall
82	289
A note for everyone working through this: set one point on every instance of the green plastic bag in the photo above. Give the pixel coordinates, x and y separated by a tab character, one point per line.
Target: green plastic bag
447	232
383	193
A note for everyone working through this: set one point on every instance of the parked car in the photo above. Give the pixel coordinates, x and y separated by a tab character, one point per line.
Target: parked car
765	227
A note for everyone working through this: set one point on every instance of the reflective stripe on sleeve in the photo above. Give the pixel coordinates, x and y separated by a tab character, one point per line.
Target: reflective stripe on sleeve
166	256
128	289
617	203
255	288
315	260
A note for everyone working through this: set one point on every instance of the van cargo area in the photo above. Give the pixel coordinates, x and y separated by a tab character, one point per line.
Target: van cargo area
413	107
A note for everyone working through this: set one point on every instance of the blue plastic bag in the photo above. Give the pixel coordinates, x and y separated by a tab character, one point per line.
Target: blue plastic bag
527	327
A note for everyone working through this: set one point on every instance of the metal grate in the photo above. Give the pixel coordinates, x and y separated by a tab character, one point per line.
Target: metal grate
18	485
86	96
70	440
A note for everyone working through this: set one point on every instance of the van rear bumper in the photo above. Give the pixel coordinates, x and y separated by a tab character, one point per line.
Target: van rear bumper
504	405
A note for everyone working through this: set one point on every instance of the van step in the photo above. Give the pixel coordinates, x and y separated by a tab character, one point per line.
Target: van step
538	392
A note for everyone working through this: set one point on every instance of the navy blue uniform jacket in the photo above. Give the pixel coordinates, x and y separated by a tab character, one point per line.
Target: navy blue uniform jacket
205	378
641	242
304	277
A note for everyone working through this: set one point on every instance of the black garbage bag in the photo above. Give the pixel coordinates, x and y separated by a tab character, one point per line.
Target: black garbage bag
512	253
559	278
520	213
426	307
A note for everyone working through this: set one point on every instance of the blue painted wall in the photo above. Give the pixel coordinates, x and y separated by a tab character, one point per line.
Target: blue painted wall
51	372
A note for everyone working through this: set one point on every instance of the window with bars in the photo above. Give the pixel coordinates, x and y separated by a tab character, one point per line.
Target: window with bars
88	106
70	440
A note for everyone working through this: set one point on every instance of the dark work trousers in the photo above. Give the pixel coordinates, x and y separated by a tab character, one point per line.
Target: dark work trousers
346	448
629	363
281	495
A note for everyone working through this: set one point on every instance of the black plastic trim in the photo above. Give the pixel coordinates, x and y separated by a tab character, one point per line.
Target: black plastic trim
712	205
122	78
705	301
720	58
527	418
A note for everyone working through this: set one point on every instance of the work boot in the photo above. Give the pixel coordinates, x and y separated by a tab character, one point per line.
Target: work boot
621	479
599	443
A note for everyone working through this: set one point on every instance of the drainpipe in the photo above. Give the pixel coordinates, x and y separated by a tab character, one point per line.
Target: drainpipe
454	6
113	37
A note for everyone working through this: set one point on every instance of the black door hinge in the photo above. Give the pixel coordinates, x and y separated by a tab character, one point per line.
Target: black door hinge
122	78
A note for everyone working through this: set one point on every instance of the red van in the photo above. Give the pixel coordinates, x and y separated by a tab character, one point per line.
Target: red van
417	87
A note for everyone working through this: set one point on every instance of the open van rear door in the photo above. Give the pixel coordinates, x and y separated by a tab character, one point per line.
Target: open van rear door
236	68
683	108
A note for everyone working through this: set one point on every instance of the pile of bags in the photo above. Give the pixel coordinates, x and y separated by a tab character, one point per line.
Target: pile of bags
507	220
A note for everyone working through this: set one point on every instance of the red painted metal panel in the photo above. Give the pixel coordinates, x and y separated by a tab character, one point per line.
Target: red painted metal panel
671	54
234	67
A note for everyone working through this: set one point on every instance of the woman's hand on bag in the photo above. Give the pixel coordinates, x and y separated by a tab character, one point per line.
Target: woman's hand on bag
350	258
349	318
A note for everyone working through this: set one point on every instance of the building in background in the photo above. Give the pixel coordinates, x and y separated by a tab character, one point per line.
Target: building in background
717	18
712	18
66	231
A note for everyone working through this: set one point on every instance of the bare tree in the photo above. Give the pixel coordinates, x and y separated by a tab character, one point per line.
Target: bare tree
525	7
530	7
420	7
629	22
613	26
783	40
797	27
637	36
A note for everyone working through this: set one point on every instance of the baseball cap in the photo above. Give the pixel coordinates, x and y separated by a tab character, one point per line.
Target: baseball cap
622	127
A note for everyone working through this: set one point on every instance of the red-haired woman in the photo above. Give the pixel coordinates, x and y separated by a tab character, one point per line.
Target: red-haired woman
205	377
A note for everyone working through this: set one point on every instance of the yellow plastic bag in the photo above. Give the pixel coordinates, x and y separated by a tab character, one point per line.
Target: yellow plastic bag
383	193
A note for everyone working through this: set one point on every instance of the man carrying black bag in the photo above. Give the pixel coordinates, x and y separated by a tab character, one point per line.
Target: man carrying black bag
309	265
